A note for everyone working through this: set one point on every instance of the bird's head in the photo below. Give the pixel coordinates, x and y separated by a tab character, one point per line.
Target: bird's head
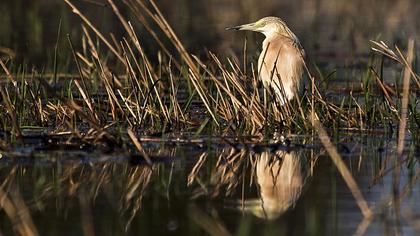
268	26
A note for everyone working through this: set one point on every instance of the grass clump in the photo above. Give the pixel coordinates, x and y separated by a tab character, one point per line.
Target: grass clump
118	87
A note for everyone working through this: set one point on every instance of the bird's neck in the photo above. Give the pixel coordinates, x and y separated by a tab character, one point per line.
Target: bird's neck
269	34
268	38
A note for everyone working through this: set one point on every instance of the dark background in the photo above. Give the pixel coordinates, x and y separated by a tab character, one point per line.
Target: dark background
328	29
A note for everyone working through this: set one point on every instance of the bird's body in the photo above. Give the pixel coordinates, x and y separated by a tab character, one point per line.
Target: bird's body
280	64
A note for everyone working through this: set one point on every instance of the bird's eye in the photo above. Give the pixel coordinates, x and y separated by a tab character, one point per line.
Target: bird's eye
262	24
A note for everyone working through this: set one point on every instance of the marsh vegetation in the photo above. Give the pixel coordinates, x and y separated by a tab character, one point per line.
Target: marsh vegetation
151	122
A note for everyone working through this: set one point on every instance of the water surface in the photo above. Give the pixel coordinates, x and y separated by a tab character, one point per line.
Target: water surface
208	187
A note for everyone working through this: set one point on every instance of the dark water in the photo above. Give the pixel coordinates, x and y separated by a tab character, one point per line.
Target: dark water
208	187
330	30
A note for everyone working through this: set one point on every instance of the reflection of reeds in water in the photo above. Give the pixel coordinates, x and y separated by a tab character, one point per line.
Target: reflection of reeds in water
17	211
123	186
279	178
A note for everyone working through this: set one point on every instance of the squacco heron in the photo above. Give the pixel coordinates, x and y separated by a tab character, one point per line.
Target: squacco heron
281	62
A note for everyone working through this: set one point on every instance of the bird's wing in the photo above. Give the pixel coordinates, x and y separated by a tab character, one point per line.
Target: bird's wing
282	65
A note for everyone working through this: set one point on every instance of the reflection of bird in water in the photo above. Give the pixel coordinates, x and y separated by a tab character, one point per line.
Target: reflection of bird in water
280	178
280	64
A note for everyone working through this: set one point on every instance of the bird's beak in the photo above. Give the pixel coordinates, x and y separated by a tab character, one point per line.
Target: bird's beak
250	27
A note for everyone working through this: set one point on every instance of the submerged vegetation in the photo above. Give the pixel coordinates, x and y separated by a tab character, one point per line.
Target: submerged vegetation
119	99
